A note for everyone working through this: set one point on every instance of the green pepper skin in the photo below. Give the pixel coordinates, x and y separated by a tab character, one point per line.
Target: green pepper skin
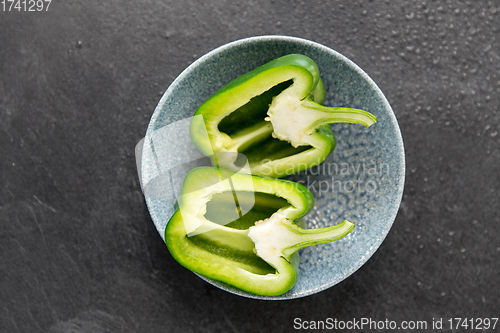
242	253
235	119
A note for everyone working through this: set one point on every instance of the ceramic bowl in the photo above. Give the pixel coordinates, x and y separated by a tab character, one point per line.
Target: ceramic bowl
361	181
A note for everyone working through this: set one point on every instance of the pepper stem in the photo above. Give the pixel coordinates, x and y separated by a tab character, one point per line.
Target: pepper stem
308	237
295	120
278	237
322	115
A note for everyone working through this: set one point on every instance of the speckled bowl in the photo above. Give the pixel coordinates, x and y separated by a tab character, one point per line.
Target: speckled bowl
362	180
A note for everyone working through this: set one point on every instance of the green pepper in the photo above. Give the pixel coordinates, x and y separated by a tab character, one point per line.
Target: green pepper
272	115
239	229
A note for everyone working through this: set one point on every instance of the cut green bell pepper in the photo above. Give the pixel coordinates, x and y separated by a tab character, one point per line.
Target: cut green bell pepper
239	229
272	115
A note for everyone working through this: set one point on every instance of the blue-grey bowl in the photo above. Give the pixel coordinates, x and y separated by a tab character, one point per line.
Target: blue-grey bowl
361	181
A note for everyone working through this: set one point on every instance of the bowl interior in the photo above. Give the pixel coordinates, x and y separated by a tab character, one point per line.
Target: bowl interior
361	181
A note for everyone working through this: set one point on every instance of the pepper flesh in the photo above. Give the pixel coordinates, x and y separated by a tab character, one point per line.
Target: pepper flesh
272	115
239	229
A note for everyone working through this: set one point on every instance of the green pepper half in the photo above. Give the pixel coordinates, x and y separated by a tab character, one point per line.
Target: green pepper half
272	115
239	229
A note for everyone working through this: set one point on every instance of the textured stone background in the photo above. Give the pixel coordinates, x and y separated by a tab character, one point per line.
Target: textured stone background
78	84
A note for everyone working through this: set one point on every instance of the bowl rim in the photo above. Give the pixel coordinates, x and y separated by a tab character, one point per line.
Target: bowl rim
392	213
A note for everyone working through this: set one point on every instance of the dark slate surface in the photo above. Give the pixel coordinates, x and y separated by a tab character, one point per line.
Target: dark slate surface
78	84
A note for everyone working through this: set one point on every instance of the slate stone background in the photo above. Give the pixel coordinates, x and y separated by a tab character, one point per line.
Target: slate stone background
78	84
